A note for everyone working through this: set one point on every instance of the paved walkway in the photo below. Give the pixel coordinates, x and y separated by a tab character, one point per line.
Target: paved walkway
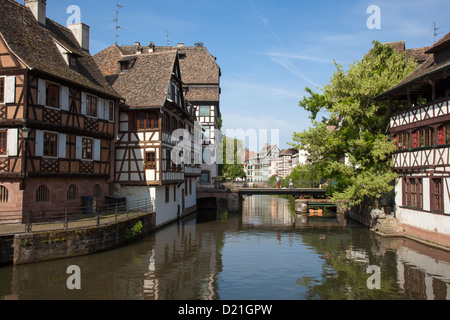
72	224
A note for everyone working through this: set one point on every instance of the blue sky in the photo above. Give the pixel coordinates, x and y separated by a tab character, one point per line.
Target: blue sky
269	51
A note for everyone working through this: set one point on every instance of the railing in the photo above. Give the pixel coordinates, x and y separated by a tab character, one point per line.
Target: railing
12	222
271	184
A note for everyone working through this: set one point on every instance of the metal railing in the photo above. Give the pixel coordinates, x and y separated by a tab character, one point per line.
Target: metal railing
71	217
271	184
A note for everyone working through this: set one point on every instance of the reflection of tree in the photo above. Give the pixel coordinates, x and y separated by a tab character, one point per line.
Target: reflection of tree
344	278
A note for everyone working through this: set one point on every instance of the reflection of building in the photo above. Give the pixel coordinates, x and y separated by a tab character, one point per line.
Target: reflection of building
183	265
261	210
422	276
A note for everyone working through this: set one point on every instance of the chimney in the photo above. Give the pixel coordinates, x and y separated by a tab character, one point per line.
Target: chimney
81	33
151	47
38	8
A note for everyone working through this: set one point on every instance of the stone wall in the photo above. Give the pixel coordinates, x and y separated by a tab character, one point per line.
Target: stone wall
51	245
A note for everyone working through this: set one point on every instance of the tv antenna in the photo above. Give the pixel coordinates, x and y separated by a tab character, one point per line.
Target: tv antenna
435	31
116	20
168	43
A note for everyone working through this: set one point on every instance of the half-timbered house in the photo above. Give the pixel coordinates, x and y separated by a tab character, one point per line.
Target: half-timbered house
201	84
420	127
154	121
57	114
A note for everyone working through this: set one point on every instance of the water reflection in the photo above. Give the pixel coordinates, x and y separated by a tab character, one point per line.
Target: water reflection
266	252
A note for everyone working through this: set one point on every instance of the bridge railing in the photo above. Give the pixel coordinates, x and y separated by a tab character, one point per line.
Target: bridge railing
271	184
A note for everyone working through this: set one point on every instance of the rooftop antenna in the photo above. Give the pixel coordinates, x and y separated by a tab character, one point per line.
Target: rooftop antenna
435	31
116	20
168	43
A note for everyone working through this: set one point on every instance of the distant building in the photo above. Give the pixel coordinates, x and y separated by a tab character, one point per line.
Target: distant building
420	127
286	162
58	115
262	165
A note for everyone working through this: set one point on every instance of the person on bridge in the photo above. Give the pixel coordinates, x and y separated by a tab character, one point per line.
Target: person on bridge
278	182
291	184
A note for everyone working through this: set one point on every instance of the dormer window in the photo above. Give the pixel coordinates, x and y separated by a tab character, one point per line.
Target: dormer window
73	61
127	63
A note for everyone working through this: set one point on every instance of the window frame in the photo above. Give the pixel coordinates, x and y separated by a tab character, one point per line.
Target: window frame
48	102
42	194
150	160
85	148
202	108
2	90
4	142
437	194
91	110
72	192
50	151
3	194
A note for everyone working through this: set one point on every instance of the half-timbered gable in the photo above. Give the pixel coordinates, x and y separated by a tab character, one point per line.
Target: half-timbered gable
57	113
419	126
153	120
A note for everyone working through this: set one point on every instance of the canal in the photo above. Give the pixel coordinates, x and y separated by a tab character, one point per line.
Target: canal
264	253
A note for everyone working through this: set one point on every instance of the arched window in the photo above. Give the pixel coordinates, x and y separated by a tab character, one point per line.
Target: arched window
42	194
72	192
97	192
3	194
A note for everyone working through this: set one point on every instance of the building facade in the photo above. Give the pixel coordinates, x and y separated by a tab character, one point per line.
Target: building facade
157	158
420	127
57	115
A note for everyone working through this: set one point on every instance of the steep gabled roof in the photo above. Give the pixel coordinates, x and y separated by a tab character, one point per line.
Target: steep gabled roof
147	82
36	47
428	68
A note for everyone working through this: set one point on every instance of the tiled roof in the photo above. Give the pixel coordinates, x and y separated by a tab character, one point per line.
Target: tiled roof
147	82
427	68
36	48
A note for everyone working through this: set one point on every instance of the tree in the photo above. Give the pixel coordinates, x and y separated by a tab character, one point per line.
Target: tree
232	166
349	147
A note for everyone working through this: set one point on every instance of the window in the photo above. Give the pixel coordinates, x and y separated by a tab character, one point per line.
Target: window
91	106
3	142
97	191
150	162
444	134
206	132
204	111
50	144
72	192
186	187
42	194
174	193
111	110
437	199
190	186
2	90
52	95
3	194
168	161
86	149
146	120
402	141
72	61
424	138
204	177
167	194
412	192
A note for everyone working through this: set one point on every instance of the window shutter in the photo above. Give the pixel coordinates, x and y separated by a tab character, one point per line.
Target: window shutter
41	92
62	145
10	89
39	152
65	98
83	103
441	136
78	148
12	142
416	140
101	108
97	149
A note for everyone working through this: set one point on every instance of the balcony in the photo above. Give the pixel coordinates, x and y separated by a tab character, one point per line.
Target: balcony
438	110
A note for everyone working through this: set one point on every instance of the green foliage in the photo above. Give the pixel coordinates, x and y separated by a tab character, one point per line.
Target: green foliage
350	147
232	166
135	231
